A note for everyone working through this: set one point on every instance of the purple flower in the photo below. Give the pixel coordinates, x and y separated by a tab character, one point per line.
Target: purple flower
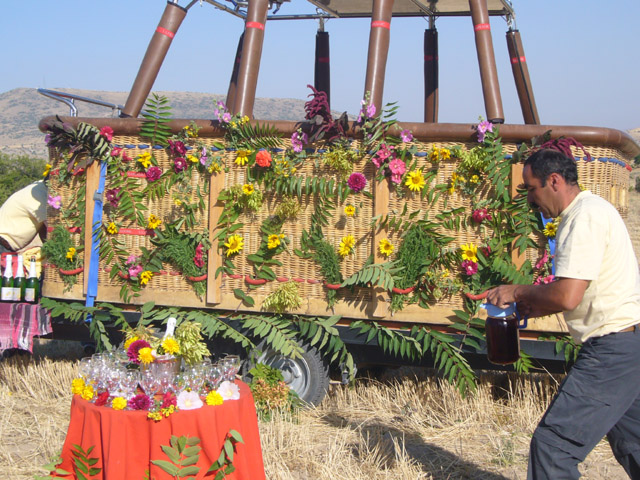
153	174
406	135
298	141
179	164
54	202
113	197
482	128
357	182
226	117
139	402
371	110
469	267
177	147
203	156
382	155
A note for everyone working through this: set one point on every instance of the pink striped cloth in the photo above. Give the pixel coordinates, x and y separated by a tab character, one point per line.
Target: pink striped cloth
20	322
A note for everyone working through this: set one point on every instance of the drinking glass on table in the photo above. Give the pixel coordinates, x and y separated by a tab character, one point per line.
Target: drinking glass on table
149	382
230	365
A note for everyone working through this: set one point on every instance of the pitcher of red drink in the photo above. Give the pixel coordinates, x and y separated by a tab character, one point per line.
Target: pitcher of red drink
501	329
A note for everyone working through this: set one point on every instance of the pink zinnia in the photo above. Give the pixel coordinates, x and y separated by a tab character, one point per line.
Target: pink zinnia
480	214
153	174
134	348
357	182
469	267
397	166
168	399
139	402
116	151
107	133
179	164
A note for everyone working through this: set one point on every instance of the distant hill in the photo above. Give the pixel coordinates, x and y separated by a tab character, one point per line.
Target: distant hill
22	108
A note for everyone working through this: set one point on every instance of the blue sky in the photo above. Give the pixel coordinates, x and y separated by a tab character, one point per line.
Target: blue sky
582	56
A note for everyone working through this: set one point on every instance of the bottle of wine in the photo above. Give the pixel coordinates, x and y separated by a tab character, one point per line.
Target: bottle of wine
19	282
32	287
7	281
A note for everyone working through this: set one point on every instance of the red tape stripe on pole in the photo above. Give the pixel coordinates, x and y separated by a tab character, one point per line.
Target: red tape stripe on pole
165	32
481	26
258	25
381	24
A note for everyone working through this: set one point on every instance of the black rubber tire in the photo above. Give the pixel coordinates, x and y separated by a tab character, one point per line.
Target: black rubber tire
308	376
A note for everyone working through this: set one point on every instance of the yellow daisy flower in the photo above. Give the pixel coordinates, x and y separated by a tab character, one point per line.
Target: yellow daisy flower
248	189
445	153
474	179
71	253
415	181
244	119
349	210
112	228
145	355
145	277
144	159
385	247
153	222
214	398
193	158
346	245
234	244
170	345
129	341
550	229
118	403
47	169
243	157
469	252
214	168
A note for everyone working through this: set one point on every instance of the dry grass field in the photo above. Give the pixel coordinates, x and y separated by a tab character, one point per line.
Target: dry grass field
406	425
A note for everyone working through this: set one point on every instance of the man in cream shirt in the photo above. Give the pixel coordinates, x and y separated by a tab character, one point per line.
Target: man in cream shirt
597	288
22	218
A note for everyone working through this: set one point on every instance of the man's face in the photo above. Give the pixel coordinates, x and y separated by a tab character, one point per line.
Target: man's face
539	197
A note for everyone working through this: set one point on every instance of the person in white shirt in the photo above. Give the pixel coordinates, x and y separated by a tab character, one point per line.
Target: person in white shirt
598	291
22	218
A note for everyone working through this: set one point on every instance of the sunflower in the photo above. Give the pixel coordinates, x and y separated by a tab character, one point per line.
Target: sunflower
248	188
153	222
469	252
415	181
145	277
385	247
346	245
234	244
274	241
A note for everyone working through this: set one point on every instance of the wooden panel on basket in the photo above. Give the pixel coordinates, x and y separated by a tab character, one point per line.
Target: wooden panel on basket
517	258
380	208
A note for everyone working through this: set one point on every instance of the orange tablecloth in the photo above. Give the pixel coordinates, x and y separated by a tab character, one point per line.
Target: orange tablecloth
126	441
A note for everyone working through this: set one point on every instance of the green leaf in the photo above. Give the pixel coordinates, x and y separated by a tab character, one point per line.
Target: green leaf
169	468
192	470
172	453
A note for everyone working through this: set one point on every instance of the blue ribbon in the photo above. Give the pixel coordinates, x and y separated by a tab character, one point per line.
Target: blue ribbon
552	243
94	266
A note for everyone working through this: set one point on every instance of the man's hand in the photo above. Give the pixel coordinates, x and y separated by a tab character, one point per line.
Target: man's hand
502	296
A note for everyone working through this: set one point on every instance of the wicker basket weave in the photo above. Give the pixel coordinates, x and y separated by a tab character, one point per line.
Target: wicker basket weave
606	175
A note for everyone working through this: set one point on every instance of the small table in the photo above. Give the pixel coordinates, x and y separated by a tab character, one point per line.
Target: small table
126	441
20	322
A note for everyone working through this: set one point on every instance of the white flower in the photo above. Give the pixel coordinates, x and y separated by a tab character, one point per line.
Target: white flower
229	390
188	400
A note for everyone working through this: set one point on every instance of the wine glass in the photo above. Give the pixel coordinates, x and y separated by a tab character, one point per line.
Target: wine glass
149	382
231	365
214	376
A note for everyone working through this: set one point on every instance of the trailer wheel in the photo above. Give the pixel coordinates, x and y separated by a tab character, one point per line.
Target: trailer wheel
308	375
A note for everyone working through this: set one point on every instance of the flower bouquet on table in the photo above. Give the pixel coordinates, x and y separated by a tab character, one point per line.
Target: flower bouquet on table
158	374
